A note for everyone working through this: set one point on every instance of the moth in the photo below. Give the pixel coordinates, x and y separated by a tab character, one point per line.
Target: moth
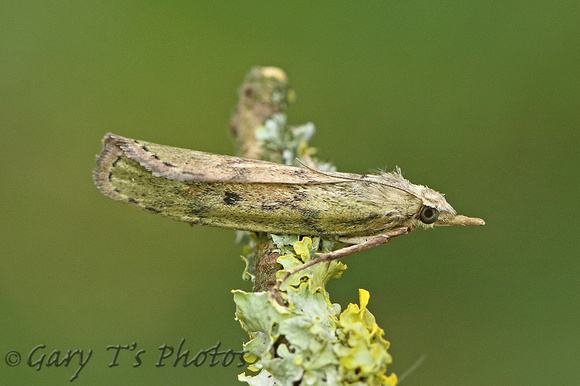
244	194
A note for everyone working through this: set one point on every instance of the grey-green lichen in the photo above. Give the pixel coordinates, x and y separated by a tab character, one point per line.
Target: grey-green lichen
309	341
282	143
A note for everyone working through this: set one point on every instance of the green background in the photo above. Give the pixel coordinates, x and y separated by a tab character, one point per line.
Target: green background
479	100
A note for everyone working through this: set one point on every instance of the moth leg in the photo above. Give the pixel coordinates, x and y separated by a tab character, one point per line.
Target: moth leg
367	243
362	239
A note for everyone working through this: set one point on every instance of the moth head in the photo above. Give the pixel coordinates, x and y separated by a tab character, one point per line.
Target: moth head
416	205
435	210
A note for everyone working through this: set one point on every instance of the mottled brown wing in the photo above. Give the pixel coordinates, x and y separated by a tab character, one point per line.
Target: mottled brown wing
190	165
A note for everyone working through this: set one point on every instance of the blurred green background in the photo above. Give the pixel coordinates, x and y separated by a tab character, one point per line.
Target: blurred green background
479	100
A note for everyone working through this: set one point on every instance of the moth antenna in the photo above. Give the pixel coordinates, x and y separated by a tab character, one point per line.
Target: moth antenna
304	164
330	174
327	174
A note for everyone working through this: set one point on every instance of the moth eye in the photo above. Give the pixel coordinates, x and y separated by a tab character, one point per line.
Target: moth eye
428	215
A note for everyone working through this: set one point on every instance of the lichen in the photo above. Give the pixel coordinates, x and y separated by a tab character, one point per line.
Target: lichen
308	341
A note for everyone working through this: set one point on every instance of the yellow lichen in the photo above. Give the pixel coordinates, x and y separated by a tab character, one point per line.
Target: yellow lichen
309	341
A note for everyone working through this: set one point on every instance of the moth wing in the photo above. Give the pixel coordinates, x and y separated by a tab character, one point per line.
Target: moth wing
190	165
